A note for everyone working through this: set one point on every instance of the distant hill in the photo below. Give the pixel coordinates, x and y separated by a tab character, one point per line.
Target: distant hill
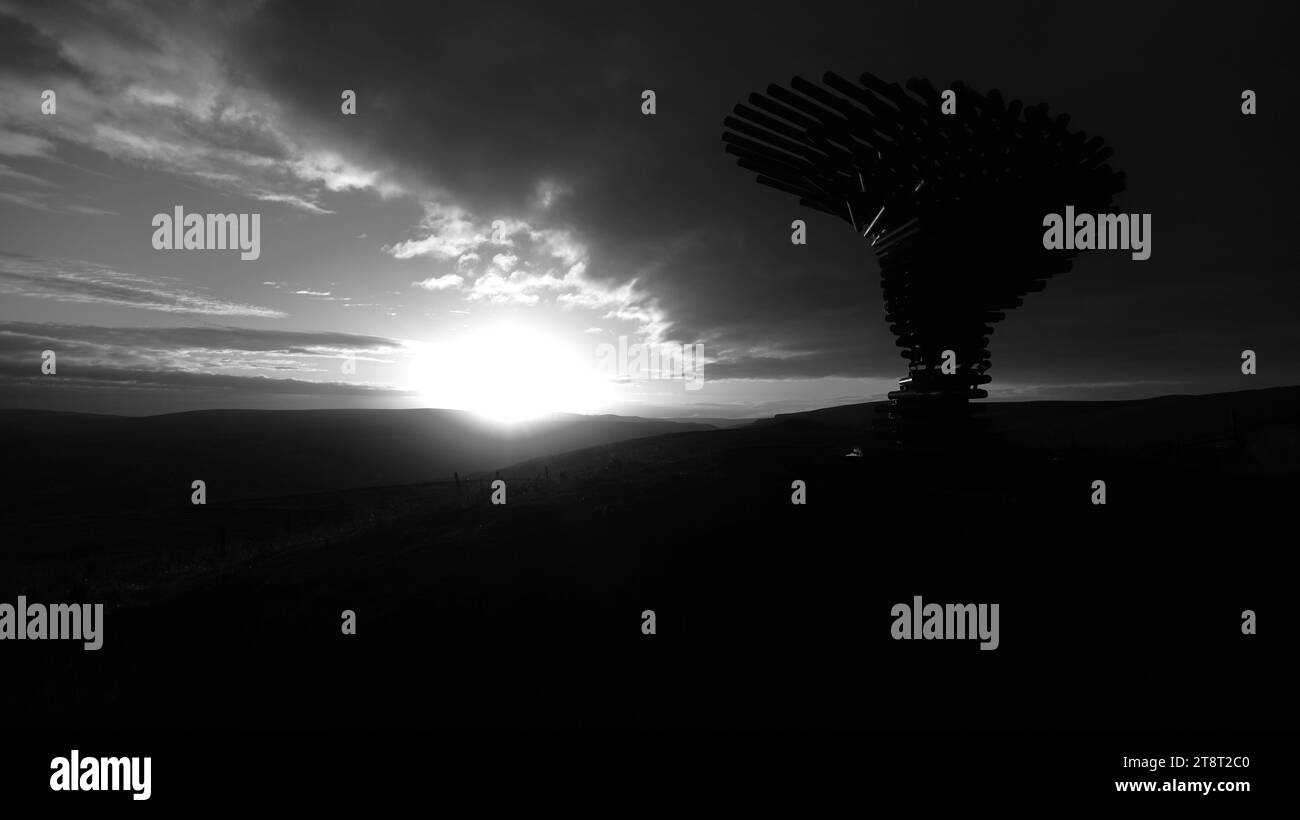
1265	422
1118	423
87	459
117	462
720	423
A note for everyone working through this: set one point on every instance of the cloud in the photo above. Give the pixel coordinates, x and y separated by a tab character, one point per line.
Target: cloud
15	144
26	335
642	221
336	173
45	200
90	211
229	360
445	282
32	54
10	173
42	194
449	233
542	265
70	280
124	377
549	190
500	290
290	199
25	201
151	85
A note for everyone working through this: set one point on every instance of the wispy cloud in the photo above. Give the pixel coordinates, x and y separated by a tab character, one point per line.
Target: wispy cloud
45	201
149	85
14	144
71	280
447	281
124	377
528	266
11	174
218	337
41	194
209	357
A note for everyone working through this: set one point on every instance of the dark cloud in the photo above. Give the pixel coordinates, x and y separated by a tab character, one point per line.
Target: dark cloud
28	52
485	101
482	103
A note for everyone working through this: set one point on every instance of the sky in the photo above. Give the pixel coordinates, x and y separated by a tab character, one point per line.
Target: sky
499	207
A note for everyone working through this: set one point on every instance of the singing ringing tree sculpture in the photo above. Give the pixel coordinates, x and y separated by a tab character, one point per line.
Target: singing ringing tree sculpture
952	203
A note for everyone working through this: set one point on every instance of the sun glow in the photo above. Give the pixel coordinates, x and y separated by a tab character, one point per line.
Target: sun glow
508	373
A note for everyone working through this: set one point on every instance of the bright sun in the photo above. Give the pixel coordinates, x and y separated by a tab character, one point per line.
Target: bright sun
508	373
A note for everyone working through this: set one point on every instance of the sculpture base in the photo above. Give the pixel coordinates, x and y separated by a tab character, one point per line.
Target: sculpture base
923	418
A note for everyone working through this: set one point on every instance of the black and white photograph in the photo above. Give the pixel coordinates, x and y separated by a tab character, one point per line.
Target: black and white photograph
909	384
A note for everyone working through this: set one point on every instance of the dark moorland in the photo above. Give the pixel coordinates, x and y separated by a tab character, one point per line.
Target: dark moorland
769	614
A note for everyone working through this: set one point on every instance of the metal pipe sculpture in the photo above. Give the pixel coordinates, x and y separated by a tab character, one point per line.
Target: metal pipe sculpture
953	205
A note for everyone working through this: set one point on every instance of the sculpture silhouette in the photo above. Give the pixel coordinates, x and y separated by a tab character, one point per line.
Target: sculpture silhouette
953	205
